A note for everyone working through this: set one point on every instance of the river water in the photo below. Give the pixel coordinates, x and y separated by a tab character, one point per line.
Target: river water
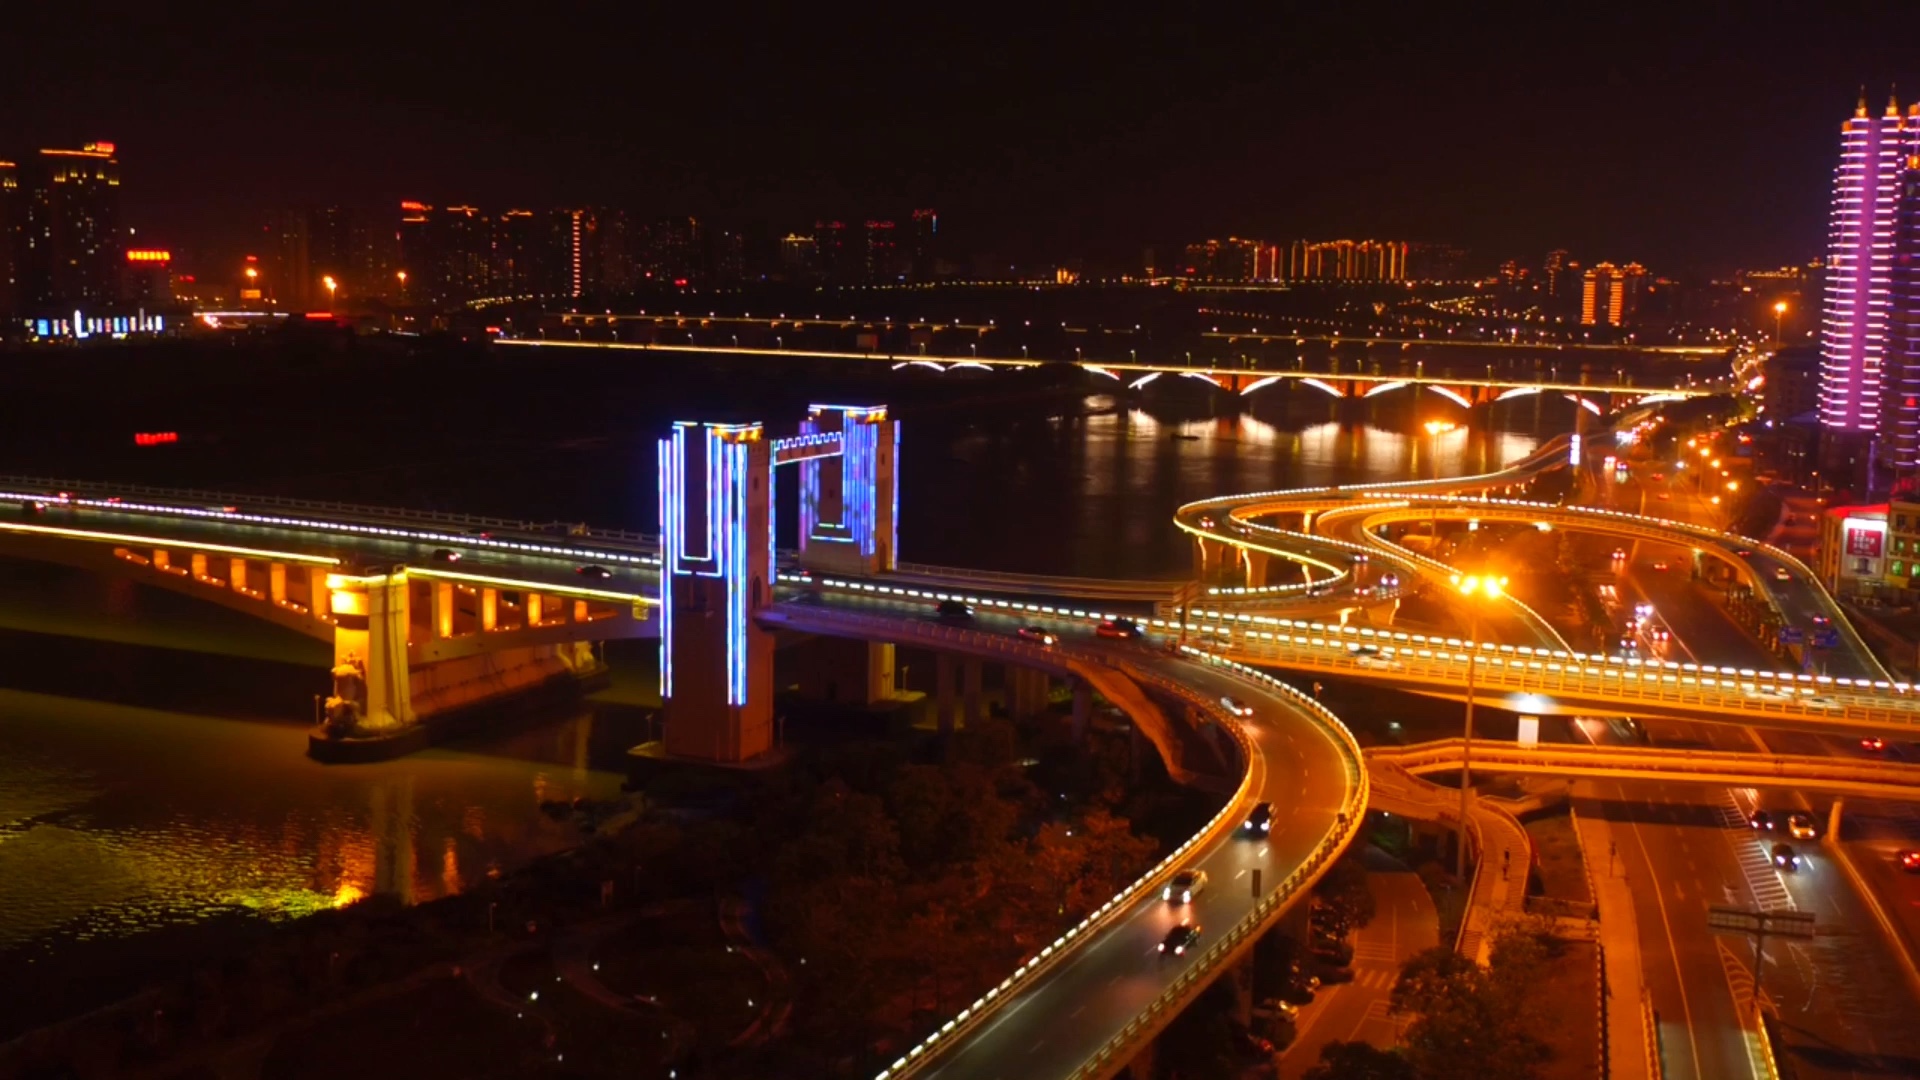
152	771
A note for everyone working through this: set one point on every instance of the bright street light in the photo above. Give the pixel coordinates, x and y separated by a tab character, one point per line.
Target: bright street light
1779	312
1475	588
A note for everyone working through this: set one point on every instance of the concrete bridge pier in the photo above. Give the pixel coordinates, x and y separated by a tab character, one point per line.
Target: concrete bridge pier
1833	821
943	692
1027	691
848	671
972	697
372	687
1257	563
1082	708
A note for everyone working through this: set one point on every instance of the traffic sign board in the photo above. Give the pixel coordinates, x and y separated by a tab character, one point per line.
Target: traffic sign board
1792	635
1778	922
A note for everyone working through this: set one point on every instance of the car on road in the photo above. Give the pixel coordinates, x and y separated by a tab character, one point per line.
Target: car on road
1206	522
1910	861
599	573
1235	706
1260	820
1389	581
1800	825
1760	820
1660	567
1663	496
1781	573
1766	693
1378	663
1659	634
1785	857
1124	629
1185	886
445	555
1358	649
1319	590
1180	939
1745	553
1821	701
1360	559
953	611
1872	744
1256	1047
1037	633
1619	554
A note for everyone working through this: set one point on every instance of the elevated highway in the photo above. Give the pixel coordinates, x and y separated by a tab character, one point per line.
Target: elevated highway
1715	768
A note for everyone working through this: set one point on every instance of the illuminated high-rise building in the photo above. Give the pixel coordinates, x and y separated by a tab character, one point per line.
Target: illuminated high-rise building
1347	260
1610	295
1558	282
1861	253
925	240
881	252
1899	424
12	224
70	249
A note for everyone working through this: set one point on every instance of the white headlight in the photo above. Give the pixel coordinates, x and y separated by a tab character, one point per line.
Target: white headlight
1186	896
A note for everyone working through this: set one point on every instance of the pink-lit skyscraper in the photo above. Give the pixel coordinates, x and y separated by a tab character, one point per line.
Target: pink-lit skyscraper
1874	152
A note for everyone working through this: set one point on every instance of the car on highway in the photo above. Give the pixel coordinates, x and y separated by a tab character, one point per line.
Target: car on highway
1206	522
1872	744
1800	825
1821	701
1659	634
1619	554
1765	693
1745	553
1389	581
1124	629
1256	1047
599	573
1660	567
1910	861
1180	939
1663	496
1785	857
1235	706
1260	821
1378	663
953	611
1319	590
1037	633
1360	558
445	555
1185	886
1781	573
1358	649
1760	820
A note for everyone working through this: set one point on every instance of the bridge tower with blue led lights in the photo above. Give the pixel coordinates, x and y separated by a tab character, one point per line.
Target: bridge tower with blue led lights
849	507
716	572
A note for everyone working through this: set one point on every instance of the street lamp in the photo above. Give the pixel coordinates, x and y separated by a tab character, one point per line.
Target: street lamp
1779	312
332	287
402	275
1475	588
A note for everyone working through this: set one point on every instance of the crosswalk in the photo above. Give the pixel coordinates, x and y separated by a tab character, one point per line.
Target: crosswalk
1754	856
1375	978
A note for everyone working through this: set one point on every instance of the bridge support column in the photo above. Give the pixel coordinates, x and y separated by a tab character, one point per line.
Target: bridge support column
371	688
1257	568
237	575
1026	692
847	505
1833	821
489	609
319	594
943	692
442	609
847	671
1082	708
716	663
277	583
972	699
532	603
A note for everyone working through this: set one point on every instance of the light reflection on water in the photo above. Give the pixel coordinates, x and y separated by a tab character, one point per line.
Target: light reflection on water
115	820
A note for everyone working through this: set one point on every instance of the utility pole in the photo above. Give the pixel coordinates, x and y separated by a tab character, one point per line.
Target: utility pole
1758	924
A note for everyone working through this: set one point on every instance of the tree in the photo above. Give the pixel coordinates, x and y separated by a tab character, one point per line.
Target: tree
1359	1061
1466	1028
1345	892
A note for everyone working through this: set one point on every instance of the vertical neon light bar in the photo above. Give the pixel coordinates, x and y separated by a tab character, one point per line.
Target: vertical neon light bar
717	550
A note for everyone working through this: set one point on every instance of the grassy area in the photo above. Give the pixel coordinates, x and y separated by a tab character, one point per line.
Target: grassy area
586	1032
1563	872
441	1029
685	965
1566	1019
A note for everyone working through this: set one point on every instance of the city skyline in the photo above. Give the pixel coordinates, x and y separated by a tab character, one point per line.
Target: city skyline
1074	150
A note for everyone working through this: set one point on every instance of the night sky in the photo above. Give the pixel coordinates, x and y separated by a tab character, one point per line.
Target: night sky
1690	137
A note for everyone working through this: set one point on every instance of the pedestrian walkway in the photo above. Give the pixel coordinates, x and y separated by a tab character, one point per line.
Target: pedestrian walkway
1632	1044
1505	852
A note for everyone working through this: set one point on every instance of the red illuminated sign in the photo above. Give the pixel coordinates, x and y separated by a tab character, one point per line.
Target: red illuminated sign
1864	542
155	438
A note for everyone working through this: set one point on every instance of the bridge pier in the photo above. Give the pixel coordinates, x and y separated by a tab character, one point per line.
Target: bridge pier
972	700
1082	708
372	687
847	505
1027	690
716	663
1833	821
1257	562
943	692
846	671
